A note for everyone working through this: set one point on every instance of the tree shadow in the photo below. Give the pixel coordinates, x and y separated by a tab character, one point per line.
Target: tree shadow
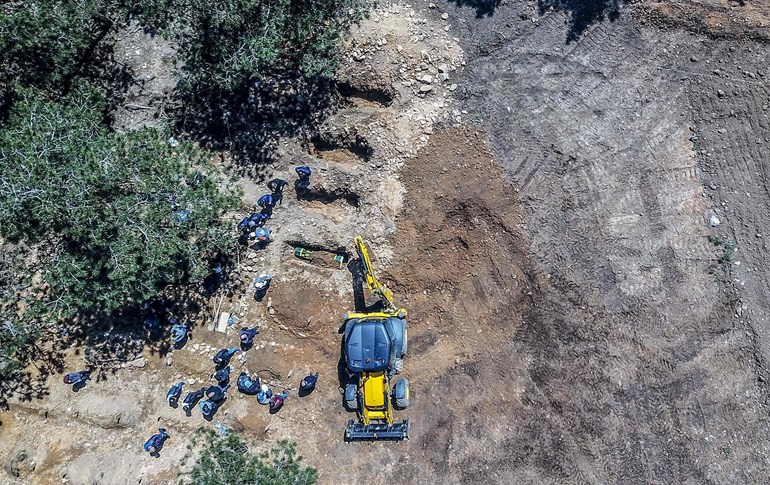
108	343
250	120
583	13
31	384
484	8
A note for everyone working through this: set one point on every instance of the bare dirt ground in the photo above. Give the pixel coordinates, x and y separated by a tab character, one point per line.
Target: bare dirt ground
559	219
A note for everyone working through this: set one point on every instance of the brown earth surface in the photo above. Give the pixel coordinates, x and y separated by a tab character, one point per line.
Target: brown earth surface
558	218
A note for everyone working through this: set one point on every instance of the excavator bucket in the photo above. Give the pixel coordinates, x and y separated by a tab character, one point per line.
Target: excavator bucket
376	431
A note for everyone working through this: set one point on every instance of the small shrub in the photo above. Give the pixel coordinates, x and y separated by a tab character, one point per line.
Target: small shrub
228	461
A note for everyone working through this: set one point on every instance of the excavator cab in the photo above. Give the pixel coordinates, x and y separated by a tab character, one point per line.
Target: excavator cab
375	344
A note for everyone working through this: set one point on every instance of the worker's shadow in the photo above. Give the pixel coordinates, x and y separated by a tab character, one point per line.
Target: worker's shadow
78	386
305	392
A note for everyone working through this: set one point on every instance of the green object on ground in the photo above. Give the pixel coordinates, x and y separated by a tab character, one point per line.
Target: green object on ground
303	253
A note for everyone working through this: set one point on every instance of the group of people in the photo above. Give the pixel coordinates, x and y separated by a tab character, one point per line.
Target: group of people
210	398
252	227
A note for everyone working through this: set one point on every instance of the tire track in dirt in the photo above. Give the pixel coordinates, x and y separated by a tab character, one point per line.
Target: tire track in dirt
620	340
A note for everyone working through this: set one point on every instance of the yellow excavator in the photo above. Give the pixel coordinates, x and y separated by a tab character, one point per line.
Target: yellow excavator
375	343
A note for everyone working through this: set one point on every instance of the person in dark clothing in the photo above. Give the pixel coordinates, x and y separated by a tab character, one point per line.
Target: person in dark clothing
222	358
77	377
255	220
247	336
153	314
248	386
155	443
208	409
261	236
192	399
244	224
308	384
222	376
152	324
264	394
216	393
179	333
261	284
173	394
303	180
266	201
303	172
276	402
264	215
276	187
216	396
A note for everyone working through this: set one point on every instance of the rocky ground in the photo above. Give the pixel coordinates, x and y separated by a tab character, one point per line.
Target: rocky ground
574	214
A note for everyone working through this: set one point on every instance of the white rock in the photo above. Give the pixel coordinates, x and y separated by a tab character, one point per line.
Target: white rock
714	220
444	16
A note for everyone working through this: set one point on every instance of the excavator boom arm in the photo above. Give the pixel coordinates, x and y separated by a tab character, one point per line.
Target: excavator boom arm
382	291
